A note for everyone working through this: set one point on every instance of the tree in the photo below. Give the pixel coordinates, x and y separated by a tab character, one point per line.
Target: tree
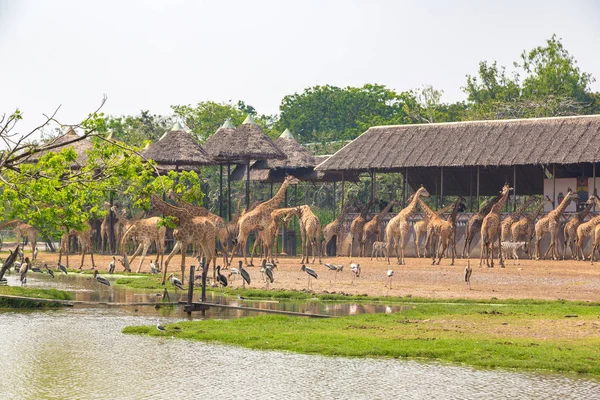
136	129
430	101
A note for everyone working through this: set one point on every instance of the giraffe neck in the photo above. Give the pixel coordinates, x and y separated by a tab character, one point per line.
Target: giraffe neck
585	211
488	206
533	216
559	210
277	199
411	208
385	210
523	207
430	213
452	218
496	208
121	217
168	209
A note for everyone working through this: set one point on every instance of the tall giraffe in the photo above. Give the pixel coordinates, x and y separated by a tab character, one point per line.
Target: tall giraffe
105	229
396	230
490	228
310	231
372	229
420	228
269	236
526	225
357	227
474	224
444	230
586	229
84	237
198	211
335	228
21	230
190	230
570	229
550	223
513	217
145	232
260	217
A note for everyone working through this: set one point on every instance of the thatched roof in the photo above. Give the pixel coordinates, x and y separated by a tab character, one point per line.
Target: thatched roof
81	147
178	150
246	142
561	140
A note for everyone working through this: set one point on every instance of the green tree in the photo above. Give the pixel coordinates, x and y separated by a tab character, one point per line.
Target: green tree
136	129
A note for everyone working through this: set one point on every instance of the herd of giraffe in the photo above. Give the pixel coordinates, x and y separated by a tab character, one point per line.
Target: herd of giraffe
197	226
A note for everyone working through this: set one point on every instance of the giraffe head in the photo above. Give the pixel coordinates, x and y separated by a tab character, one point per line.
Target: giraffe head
591	200
291	180
571	195
506	189
422	191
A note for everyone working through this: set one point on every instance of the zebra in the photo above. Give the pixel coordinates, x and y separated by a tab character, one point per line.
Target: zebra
379	248
513	247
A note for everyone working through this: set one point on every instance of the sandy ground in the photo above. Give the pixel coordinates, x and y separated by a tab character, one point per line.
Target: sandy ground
551	280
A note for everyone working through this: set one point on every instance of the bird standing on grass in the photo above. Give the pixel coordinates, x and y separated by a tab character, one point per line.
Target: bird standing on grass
48	270
468	272
160	327
222	279
111	266
390	275
62	268
311	274
101	279
175	282
245	275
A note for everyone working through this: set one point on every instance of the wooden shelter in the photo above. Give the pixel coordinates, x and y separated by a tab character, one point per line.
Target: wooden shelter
68	140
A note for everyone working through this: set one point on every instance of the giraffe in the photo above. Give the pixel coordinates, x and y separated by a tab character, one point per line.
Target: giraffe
444	230
310	231
550	223
357	227
84	237
474	224
513	217
570	229
190	230
420	228
260	217
145	232
335	228
586	229
596	243
21	230
105	228
268	237
198	211
372	229
526	225
490	228
397	229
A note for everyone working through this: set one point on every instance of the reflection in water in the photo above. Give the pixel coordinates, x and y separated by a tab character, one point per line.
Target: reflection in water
81	353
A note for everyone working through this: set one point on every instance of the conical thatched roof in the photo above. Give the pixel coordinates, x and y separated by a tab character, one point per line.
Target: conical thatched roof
246	142
81	147
177	150
298	156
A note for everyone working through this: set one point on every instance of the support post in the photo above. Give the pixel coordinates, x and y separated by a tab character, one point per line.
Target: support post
247	183
470	190
343	189
334	202
190	297
283	229
514	188
442	187
554	185
594	182
229	191
372	188
271	189
204	273
478	202
111	222
404	187
221	190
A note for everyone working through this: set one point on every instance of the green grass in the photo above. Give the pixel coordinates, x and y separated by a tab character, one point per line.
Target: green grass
518	335
53	294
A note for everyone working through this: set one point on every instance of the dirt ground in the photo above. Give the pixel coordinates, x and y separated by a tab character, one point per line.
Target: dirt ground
549	280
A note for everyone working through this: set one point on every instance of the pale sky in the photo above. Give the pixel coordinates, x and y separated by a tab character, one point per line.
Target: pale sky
153	54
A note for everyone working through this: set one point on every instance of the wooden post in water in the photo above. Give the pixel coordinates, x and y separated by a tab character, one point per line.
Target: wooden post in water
204	273
190	298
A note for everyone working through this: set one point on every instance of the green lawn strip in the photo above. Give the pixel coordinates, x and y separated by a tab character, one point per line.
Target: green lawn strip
420	333
53	294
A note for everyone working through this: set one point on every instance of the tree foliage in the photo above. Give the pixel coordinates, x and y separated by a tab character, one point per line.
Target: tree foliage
136	129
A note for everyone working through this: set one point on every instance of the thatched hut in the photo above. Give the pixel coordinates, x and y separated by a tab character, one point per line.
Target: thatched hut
177	150
69	140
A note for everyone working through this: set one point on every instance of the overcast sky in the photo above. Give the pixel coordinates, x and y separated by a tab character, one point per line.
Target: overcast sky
153	54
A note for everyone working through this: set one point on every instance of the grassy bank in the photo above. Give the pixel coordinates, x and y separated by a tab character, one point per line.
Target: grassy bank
536	335
52	294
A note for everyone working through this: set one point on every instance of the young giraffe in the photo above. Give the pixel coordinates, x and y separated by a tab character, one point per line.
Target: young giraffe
335	228
512	218
197	211
145	232
268	237
586	229
474	225
260	217
550	223
310	231
526	225
444	230
420	228
356	229
190	230
490	228
84	237
396	230
570	229
21	230
372	229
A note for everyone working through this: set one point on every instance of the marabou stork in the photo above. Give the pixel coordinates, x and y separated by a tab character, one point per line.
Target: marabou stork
222	279
48	270
333	267
62	268
468	272
176	282
100	279
311	274
269	276
245	275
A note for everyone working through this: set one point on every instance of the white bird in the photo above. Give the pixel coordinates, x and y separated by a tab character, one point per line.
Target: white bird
233	271
333	267
152	267
390	275
23	276
100	279
111	266
160	327
355	268
35	253
468	272
240	297
176	282
311	274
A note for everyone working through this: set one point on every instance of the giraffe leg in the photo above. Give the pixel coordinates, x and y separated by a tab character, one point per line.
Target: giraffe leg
146	246
171	254
136	252
500	251
92	256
